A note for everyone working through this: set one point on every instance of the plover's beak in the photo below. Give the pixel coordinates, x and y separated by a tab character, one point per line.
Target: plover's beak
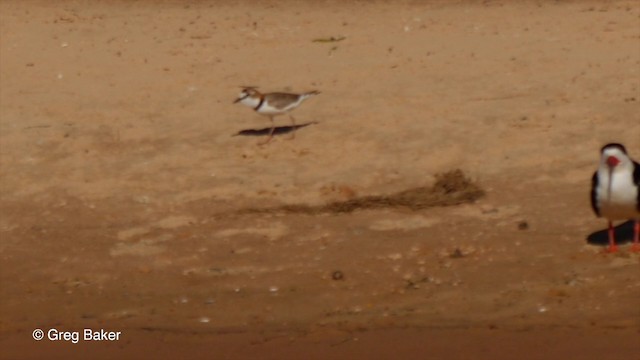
241	97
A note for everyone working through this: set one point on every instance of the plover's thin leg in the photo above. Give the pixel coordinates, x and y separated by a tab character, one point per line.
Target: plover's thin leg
612	239
273	127
293	127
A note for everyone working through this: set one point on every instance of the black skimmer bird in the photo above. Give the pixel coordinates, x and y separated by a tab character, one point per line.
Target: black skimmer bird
272	104
615	191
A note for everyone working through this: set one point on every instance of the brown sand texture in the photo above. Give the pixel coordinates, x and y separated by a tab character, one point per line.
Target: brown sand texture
434	203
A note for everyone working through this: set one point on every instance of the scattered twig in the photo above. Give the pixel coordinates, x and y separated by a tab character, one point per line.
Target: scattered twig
329	39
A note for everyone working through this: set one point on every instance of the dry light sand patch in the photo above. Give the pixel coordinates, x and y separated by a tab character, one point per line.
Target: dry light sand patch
127	176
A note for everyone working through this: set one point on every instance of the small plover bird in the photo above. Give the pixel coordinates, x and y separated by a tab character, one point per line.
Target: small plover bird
272	104
615	191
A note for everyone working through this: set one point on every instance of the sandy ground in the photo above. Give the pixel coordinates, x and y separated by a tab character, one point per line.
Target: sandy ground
125	194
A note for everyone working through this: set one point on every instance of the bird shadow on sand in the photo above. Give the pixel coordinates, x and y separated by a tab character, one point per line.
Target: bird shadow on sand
279	130
624	235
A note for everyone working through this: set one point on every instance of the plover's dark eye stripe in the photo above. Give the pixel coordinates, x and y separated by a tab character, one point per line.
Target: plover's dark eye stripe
244	97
